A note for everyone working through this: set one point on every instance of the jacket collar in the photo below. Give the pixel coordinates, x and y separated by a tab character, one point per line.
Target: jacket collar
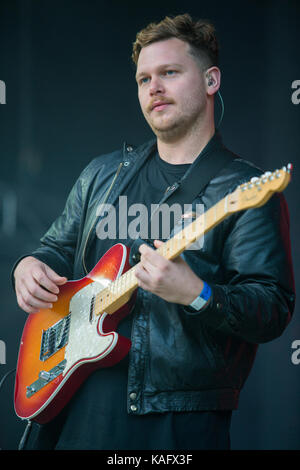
143	151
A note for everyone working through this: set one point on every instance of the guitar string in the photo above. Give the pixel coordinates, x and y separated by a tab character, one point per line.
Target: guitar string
126	282
119	286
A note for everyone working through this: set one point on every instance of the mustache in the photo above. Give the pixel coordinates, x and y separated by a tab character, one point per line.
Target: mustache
155	101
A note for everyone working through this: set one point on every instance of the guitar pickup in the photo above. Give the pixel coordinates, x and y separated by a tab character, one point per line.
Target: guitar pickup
55	338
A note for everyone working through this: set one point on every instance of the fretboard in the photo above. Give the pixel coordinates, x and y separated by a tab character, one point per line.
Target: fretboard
119	291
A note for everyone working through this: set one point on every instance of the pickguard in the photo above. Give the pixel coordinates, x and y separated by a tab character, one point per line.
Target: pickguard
86	338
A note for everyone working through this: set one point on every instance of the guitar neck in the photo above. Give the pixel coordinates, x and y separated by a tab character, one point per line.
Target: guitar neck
176	245
118	292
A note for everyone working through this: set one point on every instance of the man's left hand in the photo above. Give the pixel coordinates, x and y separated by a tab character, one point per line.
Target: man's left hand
172	280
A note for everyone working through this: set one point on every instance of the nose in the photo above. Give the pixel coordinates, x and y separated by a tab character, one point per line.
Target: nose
156	86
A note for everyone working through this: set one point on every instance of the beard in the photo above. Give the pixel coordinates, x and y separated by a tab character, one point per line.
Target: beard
172	129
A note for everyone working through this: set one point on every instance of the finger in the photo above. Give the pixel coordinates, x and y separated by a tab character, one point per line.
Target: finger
24	306
152	256
39	292
158	243
143	285
31	305
148	267
53	276
142	277
41	278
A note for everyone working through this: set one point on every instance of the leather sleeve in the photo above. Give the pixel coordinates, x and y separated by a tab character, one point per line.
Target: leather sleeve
257	300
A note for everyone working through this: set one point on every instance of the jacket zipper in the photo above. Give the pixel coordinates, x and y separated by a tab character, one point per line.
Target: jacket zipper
103	202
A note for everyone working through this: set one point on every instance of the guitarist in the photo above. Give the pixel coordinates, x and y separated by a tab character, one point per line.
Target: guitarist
197	320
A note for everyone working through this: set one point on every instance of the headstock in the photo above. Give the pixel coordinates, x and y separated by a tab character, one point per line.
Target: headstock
257	191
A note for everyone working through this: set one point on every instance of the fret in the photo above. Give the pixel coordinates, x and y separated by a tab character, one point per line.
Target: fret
226	204
118	292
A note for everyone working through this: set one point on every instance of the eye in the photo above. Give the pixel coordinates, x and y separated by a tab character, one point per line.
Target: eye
143	80
170	72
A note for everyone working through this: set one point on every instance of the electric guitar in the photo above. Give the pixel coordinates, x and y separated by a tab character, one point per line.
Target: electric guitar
61	346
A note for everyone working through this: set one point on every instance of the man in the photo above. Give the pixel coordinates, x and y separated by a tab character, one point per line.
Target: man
198	319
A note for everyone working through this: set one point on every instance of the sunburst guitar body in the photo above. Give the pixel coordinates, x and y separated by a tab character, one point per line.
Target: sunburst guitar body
61	346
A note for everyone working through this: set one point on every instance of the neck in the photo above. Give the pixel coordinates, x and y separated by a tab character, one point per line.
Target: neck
186	148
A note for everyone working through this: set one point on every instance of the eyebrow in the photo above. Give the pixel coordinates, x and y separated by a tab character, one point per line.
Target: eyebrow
163	66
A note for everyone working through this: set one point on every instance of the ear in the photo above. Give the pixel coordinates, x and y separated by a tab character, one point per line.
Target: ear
213	80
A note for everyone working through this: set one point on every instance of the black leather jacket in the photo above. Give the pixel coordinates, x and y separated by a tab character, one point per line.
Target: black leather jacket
182	360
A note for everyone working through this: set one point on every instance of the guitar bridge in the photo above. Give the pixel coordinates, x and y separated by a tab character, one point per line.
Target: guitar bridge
55	338
44	378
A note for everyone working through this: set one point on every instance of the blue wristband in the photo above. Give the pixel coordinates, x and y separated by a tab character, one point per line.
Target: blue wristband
206	292
202	298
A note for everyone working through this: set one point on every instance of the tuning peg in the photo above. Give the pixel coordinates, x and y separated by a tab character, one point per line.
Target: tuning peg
289	167
264	177
256	181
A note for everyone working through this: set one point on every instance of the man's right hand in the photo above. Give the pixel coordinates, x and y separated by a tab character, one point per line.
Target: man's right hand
36	284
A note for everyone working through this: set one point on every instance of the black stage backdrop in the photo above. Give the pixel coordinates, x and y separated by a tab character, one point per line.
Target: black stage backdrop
68	94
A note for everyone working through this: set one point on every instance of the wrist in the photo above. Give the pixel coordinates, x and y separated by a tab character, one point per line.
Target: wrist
203	298
195	288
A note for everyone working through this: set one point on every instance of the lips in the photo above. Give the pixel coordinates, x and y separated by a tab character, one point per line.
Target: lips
159	105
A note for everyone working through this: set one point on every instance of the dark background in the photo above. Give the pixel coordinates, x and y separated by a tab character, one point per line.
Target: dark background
71	95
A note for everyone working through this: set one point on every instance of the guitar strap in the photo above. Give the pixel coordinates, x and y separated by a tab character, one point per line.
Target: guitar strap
205	169
190	186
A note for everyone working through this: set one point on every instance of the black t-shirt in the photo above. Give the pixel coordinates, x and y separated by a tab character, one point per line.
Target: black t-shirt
130	217
97	417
